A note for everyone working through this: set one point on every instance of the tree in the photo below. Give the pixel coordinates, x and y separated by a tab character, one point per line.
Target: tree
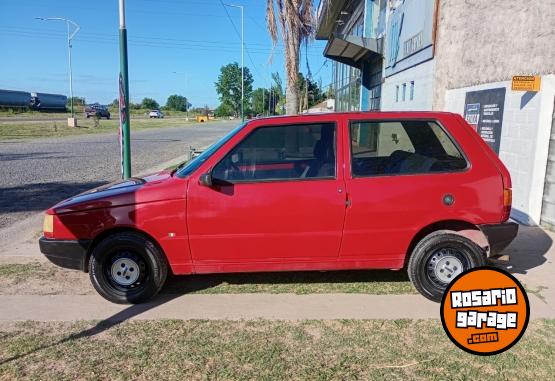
310	93
77	101
150	103
296	22
115	103
277	96
260	100
177	103
229	86
224	110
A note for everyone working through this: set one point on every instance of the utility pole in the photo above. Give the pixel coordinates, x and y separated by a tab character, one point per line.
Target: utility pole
242	61
70	36
124	117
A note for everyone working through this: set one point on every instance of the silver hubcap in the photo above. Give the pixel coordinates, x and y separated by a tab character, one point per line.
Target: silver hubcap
125	271
445	266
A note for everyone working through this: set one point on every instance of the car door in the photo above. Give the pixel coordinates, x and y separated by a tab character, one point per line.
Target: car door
277	195
400	171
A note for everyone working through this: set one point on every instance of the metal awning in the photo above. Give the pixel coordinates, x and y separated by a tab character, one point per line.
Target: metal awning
352	50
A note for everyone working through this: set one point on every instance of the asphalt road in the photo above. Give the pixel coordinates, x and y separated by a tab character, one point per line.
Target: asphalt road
35	174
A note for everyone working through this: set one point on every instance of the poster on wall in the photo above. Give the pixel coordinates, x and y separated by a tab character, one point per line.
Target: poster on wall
483	110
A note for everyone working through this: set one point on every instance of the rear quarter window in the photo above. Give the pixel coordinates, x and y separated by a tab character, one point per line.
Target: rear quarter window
402	147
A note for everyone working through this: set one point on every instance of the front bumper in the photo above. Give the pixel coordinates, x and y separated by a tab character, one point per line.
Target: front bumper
499	236
64	253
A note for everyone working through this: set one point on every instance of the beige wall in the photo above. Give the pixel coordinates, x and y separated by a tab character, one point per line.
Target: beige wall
481	41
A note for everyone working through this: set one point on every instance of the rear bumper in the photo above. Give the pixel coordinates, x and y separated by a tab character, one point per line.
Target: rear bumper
499	236
67	254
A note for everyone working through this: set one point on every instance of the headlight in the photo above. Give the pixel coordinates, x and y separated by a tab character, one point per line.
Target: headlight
48	225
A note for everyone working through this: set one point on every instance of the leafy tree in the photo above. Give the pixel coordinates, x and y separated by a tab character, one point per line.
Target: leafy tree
149	103
277	95
177	103
115	103
229	86
77	101
310	92
224	110
260	100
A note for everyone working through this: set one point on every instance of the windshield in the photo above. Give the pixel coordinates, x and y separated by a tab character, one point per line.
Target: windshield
192	165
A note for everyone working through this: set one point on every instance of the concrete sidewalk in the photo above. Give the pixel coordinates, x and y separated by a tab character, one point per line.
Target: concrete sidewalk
232	307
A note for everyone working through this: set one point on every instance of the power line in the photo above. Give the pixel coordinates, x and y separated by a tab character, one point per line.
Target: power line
198	46
239	35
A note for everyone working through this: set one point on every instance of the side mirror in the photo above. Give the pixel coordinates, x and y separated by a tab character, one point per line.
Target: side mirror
205	179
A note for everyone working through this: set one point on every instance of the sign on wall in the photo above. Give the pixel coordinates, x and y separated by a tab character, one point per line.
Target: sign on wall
526	83
483	110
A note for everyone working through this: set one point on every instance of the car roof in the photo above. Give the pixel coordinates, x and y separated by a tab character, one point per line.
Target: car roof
363	114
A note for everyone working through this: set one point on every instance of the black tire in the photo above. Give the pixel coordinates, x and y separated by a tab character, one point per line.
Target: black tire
423	263
129	248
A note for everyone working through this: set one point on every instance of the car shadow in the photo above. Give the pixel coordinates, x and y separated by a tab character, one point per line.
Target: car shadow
258	282
40	196
527	251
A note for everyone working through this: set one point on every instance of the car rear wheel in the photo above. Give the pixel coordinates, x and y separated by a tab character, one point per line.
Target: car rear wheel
127	268
438	258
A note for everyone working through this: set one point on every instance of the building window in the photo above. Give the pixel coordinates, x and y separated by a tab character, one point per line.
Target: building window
404	91
411	90
347	87
397	93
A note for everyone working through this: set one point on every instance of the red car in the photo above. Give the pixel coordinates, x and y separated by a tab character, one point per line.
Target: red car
415	190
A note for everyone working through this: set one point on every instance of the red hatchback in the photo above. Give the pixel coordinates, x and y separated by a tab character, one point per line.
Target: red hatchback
419	190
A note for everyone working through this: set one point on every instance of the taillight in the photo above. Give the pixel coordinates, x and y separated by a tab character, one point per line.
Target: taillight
507	202
48	226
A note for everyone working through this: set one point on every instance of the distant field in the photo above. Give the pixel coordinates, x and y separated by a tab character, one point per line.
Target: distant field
21	128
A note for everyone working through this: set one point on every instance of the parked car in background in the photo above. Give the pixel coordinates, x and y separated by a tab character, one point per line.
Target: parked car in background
414	190
156	114
97	110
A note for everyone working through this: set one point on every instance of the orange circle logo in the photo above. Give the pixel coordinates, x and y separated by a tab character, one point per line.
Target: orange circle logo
485	311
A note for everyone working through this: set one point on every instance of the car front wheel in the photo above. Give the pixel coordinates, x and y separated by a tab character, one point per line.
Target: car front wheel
127	268
438	258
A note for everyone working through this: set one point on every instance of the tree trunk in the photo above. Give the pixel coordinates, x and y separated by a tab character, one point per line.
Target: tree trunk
292	46
291	100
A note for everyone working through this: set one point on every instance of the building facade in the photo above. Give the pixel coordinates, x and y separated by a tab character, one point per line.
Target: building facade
457	56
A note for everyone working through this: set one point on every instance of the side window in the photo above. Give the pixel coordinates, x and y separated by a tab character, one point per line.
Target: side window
281	153
402	147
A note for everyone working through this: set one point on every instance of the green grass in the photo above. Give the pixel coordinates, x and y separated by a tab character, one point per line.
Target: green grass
263	350
44	278
19	272
376	282
43	129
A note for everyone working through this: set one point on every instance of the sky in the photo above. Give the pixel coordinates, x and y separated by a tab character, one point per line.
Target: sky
175	47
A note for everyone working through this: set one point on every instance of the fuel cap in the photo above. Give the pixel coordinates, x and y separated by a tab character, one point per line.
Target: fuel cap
448	199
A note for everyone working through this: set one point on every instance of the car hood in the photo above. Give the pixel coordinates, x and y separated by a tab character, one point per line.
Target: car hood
135	190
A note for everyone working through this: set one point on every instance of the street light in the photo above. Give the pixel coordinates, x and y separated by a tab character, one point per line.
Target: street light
186	99
242	60
69	38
